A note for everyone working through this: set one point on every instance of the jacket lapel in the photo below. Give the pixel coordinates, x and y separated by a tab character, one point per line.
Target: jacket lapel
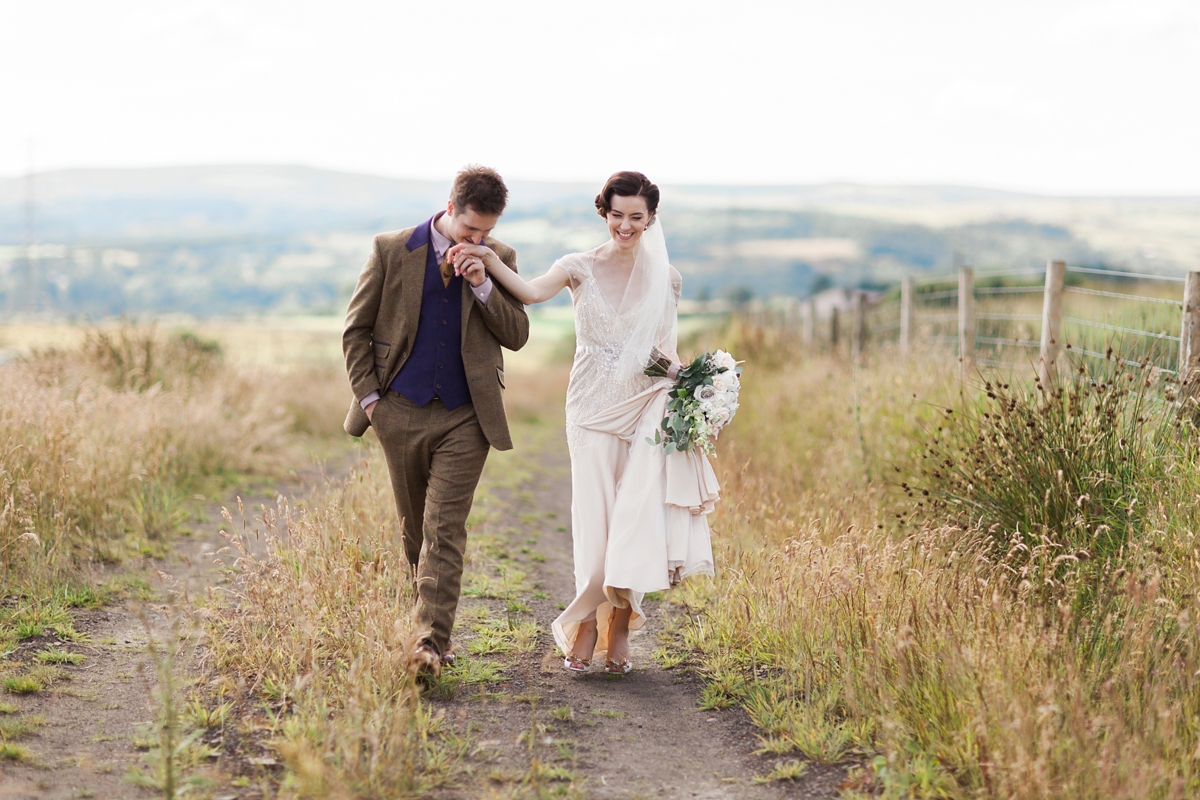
412	277
412	273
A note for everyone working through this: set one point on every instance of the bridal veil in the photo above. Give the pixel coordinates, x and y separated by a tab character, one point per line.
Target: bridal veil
651	292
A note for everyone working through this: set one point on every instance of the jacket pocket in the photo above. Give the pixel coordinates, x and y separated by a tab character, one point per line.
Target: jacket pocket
500	376
381	351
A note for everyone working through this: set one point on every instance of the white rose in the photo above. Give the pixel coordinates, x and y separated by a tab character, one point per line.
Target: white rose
725	360
705	394
720	382
720	416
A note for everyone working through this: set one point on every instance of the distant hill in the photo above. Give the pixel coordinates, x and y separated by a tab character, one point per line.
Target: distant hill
214	240
220	201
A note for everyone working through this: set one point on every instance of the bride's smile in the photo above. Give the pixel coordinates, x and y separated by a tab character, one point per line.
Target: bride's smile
627	220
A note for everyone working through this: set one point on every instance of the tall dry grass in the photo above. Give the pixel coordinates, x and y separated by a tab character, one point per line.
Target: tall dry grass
100	446
855	625
312	644
1065	482
317	633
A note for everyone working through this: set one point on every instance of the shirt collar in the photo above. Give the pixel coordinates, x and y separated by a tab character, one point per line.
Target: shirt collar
440	243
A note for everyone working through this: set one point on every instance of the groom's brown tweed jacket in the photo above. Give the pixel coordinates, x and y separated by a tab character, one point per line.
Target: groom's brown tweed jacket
381	324
434	454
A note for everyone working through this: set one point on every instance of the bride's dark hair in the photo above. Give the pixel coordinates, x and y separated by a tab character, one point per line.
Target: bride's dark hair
627	184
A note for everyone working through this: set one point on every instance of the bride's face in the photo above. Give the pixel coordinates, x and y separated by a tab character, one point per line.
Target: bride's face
627	220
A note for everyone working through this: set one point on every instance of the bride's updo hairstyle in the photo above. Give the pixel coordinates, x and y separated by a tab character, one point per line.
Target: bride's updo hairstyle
628	184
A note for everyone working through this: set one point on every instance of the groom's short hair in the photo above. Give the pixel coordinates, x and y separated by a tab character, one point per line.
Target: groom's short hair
479	188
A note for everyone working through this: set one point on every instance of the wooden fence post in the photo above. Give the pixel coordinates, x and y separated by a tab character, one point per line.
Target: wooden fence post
833	329
906	314
966	318
810	322
791	314
1189	334
858	336
1051	324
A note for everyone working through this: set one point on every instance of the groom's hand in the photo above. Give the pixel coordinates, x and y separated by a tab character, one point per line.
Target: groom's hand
370	410
473	271
471	261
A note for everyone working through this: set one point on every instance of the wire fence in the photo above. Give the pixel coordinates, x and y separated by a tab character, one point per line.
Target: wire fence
883	318
1132	324
1103	317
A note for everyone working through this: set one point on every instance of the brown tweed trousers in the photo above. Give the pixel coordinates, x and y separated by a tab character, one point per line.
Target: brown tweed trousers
434	456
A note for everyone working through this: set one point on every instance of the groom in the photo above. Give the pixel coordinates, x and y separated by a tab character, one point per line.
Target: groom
422	345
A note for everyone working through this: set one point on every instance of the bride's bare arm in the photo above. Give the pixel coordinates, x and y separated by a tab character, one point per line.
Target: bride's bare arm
538	290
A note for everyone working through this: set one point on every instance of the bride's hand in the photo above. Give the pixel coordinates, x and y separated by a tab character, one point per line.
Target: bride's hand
460	253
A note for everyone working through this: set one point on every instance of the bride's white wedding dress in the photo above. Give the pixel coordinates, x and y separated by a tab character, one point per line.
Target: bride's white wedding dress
637	516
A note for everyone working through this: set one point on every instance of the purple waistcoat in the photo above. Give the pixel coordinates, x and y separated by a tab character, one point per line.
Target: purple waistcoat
435	366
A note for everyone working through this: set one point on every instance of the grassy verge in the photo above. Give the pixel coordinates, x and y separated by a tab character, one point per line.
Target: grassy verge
310	653
871	612
102	449
313	649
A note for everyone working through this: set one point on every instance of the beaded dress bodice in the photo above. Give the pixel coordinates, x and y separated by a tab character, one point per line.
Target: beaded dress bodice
600	334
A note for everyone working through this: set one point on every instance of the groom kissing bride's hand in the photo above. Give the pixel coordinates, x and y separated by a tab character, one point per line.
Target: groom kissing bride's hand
424	354
628	536
471	261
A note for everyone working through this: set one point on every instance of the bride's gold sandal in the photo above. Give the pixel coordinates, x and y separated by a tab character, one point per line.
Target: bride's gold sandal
573	663
622	667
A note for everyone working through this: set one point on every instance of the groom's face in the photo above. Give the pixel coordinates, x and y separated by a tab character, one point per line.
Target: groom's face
468	225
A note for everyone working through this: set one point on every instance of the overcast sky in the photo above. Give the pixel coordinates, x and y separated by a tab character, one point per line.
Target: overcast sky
1054	96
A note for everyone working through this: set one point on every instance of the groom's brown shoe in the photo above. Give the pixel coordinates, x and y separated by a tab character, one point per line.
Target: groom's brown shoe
425	663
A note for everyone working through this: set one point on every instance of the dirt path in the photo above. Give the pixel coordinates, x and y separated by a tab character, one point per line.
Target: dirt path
98	717
637	736
533	730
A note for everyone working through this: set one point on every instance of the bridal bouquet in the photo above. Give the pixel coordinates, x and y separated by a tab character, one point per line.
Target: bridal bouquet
702	401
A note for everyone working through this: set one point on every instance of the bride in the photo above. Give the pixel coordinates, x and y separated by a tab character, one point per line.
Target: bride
637	516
